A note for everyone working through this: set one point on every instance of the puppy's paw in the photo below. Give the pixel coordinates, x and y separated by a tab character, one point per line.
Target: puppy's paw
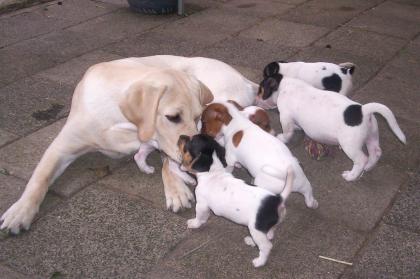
314	204
282	138
193	224
349	176
249	241
146	168
18	216
258	262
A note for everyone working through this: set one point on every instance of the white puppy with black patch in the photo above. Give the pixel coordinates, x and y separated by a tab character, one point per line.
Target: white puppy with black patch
218	191
265	157
321	75
333	119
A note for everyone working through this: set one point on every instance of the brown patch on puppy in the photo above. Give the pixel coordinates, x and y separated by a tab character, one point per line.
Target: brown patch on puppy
261	119
237	137
238	106
213	118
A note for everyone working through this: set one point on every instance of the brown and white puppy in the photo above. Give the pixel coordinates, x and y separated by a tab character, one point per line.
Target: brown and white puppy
117	107
266	157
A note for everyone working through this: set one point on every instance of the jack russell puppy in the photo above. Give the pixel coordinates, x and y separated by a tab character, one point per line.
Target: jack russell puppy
321	75
333	119
219	191
255	114
265	157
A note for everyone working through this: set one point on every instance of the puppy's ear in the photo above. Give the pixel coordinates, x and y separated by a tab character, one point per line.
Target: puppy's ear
348	67
221	154
271	69
202	163
270	85
140	107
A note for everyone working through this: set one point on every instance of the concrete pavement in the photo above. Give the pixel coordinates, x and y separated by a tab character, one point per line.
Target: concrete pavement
105	219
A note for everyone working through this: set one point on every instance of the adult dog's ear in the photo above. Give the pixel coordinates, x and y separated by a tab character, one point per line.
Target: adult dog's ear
221	154
205	96
140	107
271	69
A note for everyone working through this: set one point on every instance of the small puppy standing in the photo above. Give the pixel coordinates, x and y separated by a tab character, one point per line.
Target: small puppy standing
321	75
229	197
265	157
333	119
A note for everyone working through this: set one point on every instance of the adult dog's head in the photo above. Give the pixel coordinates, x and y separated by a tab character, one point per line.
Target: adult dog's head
164	105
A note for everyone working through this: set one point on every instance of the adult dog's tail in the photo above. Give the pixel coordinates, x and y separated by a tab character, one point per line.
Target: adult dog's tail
388	115
277	174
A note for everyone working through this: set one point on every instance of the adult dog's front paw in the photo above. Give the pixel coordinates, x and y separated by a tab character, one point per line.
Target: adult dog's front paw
18	216
178	196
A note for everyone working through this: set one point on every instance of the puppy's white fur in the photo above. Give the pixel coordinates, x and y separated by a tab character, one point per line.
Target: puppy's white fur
263	154
229	197
321	113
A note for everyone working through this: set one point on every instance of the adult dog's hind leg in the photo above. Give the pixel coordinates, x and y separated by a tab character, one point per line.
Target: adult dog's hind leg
65	148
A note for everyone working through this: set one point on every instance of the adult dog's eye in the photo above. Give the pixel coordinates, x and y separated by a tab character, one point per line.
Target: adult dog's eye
174	118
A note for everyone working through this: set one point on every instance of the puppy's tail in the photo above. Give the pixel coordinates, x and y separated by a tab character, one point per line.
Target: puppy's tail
383	110
289	179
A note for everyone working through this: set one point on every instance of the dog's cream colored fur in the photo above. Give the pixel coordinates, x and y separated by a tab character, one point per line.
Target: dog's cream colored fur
118	106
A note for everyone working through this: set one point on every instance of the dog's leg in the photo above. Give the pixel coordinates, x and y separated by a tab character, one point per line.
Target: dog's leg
65	148
288	127
141	156
352	146
264	245
372	144
306	190
177	194
202	214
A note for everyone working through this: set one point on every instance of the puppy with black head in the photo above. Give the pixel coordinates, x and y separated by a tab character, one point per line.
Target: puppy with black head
333	119
321	75
218	191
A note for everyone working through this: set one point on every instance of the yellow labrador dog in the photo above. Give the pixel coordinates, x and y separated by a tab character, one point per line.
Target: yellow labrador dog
119	106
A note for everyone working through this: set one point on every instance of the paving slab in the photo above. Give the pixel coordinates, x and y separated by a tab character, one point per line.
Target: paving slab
297	244
406	210
359	204
11	188
8	273
6	137
366	67
49	17
328	13
363	43
285	32
392	253
381	23
174	44
21	157
98	233
28	63
72	71
258	8
120	24
209	26
32	103
241	51
397	10
395	90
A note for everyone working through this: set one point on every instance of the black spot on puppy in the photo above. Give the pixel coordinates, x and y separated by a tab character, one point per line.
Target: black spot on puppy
343	70
271	69
332	83
353	115
267	215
